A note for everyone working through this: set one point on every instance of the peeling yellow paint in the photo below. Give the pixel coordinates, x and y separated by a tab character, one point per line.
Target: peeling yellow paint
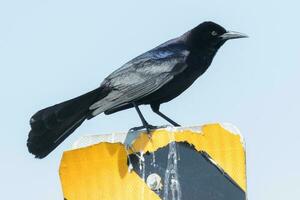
100	171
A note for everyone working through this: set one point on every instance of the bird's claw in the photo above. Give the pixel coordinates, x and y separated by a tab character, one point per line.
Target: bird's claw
135	132
136	129
147	127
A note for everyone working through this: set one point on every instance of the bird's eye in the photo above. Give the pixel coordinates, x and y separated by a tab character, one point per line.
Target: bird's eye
214	33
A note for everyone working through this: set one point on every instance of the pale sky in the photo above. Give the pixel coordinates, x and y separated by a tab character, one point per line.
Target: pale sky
52	51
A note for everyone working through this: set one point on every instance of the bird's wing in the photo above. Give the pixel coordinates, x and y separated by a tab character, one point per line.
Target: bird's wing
142	76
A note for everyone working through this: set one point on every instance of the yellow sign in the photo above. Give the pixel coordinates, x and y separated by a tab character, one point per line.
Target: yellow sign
100	171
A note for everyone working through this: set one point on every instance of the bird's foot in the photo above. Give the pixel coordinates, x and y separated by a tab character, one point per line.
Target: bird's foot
166	126
138	128
135	132
148	128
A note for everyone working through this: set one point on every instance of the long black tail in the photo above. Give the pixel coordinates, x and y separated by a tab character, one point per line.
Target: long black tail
52	125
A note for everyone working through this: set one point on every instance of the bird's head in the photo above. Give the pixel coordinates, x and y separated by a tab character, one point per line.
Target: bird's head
211	35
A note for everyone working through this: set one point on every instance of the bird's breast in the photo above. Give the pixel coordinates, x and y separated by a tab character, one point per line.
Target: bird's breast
175	87
197	64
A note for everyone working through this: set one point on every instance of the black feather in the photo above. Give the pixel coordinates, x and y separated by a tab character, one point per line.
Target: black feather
52	125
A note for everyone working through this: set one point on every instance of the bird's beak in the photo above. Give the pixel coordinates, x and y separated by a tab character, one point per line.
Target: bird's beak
233	35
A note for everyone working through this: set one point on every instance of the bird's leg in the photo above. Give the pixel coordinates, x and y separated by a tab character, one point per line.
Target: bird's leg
145	123
155	109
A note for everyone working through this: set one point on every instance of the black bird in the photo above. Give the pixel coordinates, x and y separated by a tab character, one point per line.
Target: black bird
153	78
